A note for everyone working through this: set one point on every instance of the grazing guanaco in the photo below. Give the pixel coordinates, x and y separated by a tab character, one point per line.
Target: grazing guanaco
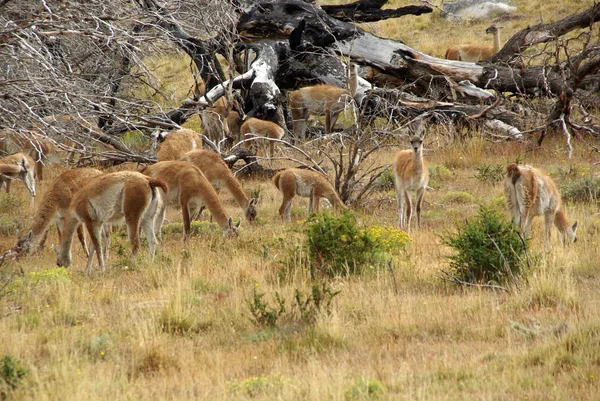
107	199
305	183
55	206
254	127
475	53
19	166
190	189
321	99
529	192
177	143
38	147
410	174
218	174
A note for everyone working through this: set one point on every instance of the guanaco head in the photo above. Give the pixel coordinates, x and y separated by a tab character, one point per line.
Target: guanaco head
569	235
493	29
26	175
416	142
64	258
23	244
232	230
250	211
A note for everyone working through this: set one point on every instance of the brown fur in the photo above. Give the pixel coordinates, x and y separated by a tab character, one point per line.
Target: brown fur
190	189
475	53
55	205
410	174
253	127
18	166
218	174
305	183
220	121
177	143
107	199
529	192
322	99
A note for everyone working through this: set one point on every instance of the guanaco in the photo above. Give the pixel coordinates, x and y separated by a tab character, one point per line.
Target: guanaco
475	53
55	206
33	143
529	192
219	122
410	174
107	199
177	143
218	174
190	189
19	166
305	183
254	127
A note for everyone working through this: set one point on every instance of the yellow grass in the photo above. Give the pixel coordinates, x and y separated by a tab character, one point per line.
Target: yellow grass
179	327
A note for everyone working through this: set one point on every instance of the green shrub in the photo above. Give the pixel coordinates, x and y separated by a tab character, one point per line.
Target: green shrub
364	389
10	225
337	246
488	248
312	304
385	180
11	375
263	314
583	189
438	173
490	173
10	204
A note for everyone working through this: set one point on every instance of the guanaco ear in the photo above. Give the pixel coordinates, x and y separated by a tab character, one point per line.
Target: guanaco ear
239	223
253	202
574	228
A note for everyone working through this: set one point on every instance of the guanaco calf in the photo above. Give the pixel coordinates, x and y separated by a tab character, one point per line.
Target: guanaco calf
218	174
475	53
253	127
190	189
177	143
18	166
55	206
529	192
305	183
410	174
110	198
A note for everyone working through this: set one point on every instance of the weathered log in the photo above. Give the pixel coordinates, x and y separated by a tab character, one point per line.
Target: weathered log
370	11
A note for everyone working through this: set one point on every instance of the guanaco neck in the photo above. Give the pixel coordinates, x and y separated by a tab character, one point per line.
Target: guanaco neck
561	222
419	158
10	170
496	41
236	191
43	217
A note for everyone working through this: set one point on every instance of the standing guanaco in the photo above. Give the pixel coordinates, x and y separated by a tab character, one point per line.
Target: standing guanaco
55	205
529	192
218	174
410	174
110	198
190	189
177	143
38	147
305	183
19	166
254	127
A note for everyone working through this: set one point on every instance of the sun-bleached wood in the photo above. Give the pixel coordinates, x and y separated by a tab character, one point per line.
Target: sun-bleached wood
410	174
189	189
219	175
254	127
529	192
54	206
108	199
18	166
177	143
475	53
305	183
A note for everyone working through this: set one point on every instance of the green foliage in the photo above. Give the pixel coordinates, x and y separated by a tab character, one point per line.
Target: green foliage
100	346
438	173
11	374
196	228
271	384
264	315
488	248
459	197
337	246
490	173
385	180
136	140
10	204
10	224
364	389
312	304
582	189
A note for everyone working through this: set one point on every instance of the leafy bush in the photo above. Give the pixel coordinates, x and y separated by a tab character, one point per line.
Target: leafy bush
583	189
490	173
11	375
385	180
337	246
364	389
488	248
254	386
10	204
438	173
263	315
10	225
319	299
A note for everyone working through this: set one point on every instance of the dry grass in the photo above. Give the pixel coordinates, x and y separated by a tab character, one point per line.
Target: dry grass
179	327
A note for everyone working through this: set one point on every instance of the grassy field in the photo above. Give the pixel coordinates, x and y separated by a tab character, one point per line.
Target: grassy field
181	327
